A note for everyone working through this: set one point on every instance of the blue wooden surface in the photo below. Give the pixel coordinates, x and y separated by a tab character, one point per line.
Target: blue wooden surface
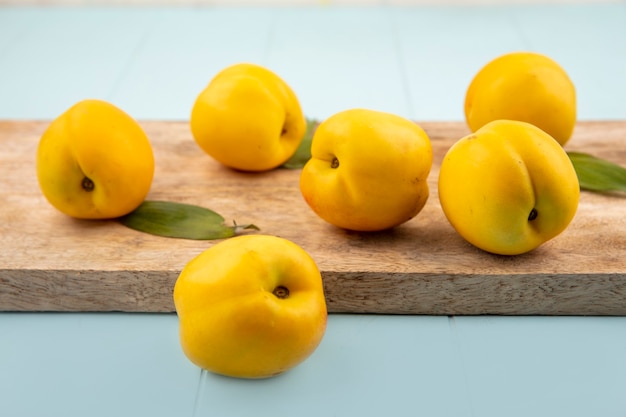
415	62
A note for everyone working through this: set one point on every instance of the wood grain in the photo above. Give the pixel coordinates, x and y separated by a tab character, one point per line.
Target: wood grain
50	262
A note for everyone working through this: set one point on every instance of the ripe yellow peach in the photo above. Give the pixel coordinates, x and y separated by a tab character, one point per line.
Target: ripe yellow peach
94	161
368	170
248	118
251	306
508	188
524	86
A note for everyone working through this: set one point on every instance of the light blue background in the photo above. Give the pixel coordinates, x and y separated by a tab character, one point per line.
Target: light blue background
416	62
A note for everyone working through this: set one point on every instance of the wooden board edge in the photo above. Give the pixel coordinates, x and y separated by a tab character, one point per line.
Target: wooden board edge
352	293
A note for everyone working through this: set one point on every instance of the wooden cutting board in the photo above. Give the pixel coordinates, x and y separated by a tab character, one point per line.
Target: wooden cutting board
50	262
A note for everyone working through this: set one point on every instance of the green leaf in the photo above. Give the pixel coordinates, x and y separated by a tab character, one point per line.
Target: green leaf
177	220
596	174
303	153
